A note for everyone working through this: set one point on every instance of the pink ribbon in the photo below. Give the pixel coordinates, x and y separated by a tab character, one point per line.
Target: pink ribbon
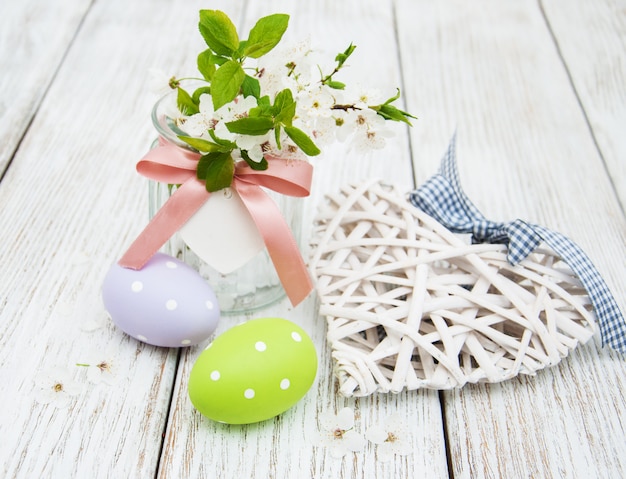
171	164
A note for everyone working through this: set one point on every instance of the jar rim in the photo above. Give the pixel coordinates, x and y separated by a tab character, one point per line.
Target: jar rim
161	124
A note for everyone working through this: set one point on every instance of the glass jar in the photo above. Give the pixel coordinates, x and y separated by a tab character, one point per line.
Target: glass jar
255	284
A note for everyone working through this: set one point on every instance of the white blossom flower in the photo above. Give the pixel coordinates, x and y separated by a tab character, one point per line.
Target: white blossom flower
222	132
347	122
55	387
253	144
340	129
170	110
367	119
363	98
390	438
317	102
238	108
322	113
338	433
200	123
366	140
290	67
270	81
207	119
255	153
102	369
287	151
368	130
323	132
159	82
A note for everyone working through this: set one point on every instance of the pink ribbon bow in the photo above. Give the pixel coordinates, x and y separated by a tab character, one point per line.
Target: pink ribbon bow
171	164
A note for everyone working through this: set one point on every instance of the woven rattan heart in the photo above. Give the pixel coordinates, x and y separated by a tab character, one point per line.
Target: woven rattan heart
411	305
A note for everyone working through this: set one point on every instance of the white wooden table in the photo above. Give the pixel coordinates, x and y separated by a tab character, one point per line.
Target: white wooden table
536	91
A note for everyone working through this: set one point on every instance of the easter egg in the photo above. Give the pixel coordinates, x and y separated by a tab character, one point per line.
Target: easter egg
166	303
253	371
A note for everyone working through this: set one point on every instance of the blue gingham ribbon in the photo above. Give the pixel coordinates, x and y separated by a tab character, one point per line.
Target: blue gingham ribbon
442	198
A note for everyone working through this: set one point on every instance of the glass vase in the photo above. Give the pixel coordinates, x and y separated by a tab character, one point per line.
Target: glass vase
254	285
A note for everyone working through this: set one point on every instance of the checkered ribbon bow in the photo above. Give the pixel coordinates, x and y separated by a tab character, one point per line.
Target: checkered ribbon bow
442	198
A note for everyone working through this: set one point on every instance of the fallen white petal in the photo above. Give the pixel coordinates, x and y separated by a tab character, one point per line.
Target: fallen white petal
345	419
376	434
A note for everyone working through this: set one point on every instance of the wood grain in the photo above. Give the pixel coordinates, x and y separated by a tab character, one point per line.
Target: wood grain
524	150
71	202
591	37
283	447
34	37
539	111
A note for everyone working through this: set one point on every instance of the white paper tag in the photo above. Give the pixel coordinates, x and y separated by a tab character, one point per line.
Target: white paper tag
222	232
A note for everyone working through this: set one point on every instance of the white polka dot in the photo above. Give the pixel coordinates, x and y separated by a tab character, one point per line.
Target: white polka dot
260	346
141	337
171	304
215	375
136	286
248	393
171	265
284	384
185	342
296	336
209	305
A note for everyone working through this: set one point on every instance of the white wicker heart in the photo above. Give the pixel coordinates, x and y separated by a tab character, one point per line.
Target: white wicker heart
411	305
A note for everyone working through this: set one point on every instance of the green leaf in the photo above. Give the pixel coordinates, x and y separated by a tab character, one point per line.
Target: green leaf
337	85
242	47
226	83
393	98
284	107
258	166
251	125
217	170
287	114
185	103
251	87
227	145
264	102
283	98
277	135
218	32
266	34
206	64
199	92
302	140
219	60
201	144
263	108
342	57
203	166
390	112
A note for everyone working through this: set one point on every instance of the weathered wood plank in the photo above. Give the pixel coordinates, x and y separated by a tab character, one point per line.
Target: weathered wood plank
71	202
565	422
34	36
591	37
490	70
284	447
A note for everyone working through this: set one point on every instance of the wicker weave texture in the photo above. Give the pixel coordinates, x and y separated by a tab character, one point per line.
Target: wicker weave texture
411	305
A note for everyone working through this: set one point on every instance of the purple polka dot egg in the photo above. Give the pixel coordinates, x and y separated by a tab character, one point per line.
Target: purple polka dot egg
166	303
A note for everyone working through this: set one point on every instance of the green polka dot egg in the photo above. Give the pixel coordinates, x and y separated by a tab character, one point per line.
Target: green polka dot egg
253	371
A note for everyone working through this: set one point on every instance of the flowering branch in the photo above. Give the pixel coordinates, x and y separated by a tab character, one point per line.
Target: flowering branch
275	108
340	59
